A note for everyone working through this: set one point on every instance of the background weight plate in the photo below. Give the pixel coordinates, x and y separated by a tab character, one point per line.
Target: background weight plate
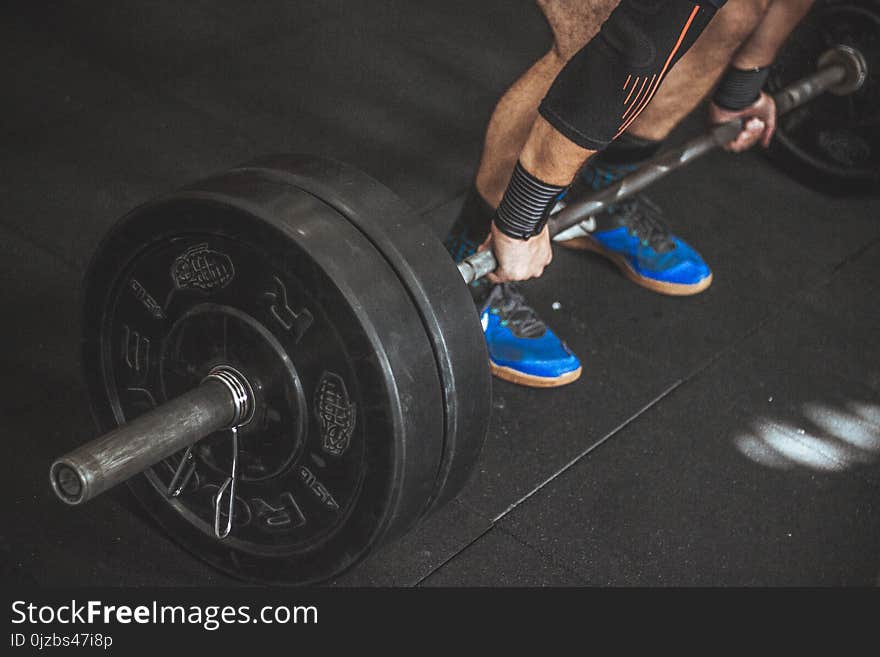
249	270
833	142
436	288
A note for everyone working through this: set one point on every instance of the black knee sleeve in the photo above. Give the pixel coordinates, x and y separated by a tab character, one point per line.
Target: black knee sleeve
605	86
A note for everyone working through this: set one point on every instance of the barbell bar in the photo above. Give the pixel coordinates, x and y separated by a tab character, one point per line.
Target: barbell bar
841	70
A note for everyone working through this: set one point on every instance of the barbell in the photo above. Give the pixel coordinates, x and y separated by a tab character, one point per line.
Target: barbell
293	364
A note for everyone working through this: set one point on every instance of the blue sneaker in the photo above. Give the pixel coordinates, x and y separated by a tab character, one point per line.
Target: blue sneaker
522	349
634	237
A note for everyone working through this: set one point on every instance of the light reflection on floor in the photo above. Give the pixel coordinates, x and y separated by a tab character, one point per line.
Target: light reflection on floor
827	438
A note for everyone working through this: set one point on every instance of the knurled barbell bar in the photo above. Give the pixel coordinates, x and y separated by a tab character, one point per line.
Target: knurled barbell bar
287	357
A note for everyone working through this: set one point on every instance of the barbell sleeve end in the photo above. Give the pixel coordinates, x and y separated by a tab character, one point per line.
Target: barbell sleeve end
223	400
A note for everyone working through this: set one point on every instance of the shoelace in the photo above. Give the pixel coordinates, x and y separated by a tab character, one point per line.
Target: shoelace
516	314
642	217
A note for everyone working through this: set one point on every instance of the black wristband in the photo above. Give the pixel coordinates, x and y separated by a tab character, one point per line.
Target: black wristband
740	88
526	205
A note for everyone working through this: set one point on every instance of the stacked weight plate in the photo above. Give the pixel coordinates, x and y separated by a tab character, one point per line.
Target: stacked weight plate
351	325
832	144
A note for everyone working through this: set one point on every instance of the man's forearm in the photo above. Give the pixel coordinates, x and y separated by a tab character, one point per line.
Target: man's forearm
760	49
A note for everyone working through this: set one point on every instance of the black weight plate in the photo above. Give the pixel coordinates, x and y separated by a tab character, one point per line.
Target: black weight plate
833	142
246	270
424	267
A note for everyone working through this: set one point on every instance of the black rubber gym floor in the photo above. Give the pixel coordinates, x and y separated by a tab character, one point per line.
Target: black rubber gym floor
728	439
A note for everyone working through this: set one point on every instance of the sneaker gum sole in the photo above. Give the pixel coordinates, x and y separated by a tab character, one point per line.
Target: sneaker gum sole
672	289
533	381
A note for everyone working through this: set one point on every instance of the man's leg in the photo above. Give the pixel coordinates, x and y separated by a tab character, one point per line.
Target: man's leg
573	23
633	234
745	33
699	70
522	348
599	91
579	115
